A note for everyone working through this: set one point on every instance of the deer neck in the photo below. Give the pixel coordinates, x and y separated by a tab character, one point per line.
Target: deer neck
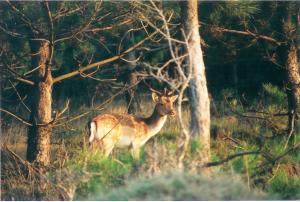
155	122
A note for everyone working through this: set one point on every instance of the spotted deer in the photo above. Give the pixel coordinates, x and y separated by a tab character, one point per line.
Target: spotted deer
116	130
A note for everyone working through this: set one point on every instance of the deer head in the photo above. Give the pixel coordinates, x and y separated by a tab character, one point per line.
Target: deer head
164	104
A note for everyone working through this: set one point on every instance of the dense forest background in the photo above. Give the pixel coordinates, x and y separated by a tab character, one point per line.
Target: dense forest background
107	56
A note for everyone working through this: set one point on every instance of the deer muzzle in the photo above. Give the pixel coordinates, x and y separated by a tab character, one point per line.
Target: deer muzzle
172	113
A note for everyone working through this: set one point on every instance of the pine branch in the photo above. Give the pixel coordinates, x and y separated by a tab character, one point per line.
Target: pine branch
103	62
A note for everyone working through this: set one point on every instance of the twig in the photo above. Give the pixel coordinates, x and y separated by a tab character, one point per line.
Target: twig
19	77
31	168
21	100
15	116
99	107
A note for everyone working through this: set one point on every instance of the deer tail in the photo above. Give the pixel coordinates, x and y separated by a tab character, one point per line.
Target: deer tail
92	130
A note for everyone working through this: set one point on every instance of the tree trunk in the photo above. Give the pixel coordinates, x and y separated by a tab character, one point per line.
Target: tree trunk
234	71
293	88
131	99
131	79
39	134
289	57
198	94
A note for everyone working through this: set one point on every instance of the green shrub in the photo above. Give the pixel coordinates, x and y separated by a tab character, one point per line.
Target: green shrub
182	186
273	94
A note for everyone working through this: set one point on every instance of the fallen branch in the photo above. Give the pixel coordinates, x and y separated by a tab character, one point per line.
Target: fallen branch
217	163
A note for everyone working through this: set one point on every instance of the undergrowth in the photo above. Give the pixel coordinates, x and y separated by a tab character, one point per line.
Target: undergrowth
237	126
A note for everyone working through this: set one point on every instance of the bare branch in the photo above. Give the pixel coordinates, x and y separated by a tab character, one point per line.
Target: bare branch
16	117
81	29
20	78
248	33
23	17
231	157
69	12
125	22
99	107
12	33
21	100
101	63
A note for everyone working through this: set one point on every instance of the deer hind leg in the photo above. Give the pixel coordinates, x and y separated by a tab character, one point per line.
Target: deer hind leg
135	152
108	146
108	149
110	142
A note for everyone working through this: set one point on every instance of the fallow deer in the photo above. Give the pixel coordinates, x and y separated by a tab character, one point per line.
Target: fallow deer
115	130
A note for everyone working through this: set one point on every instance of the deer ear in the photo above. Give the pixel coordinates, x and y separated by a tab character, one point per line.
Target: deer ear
173	98
155	97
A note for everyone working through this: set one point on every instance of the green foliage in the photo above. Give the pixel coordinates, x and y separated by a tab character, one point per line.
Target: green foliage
242	10
238	165
285	186
182	186
273	93
104	173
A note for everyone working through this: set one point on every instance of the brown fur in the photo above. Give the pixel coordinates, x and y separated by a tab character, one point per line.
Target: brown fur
116	130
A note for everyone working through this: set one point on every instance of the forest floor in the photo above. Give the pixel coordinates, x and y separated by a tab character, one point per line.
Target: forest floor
263	164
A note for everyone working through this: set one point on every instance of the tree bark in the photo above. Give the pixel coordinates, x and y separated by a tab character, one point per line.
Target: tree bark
289	57
131	99
38	149
198	93
293	88
131	79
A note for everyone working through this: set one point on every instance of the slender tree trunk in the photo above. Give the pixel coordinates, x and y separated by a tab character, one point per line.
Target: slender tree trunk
234	72
38	149
198	94
131	79
131	98
293	89
289	59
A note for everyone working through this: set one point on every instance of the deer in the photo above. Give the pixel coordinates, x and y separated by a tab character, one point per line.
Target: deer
123	130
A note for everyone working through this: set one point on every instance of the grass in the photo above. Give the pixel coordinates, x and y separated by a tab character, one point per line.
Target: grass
87	175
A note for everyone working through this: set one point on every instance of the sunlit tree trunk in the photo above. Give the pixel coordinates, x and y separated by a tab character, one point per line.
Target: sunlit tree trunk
39	133
293	89
289	57
198	94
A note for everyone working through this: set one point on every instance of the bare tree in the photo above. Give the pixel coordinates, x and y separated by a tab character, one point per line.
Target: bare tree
187	62
198	94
